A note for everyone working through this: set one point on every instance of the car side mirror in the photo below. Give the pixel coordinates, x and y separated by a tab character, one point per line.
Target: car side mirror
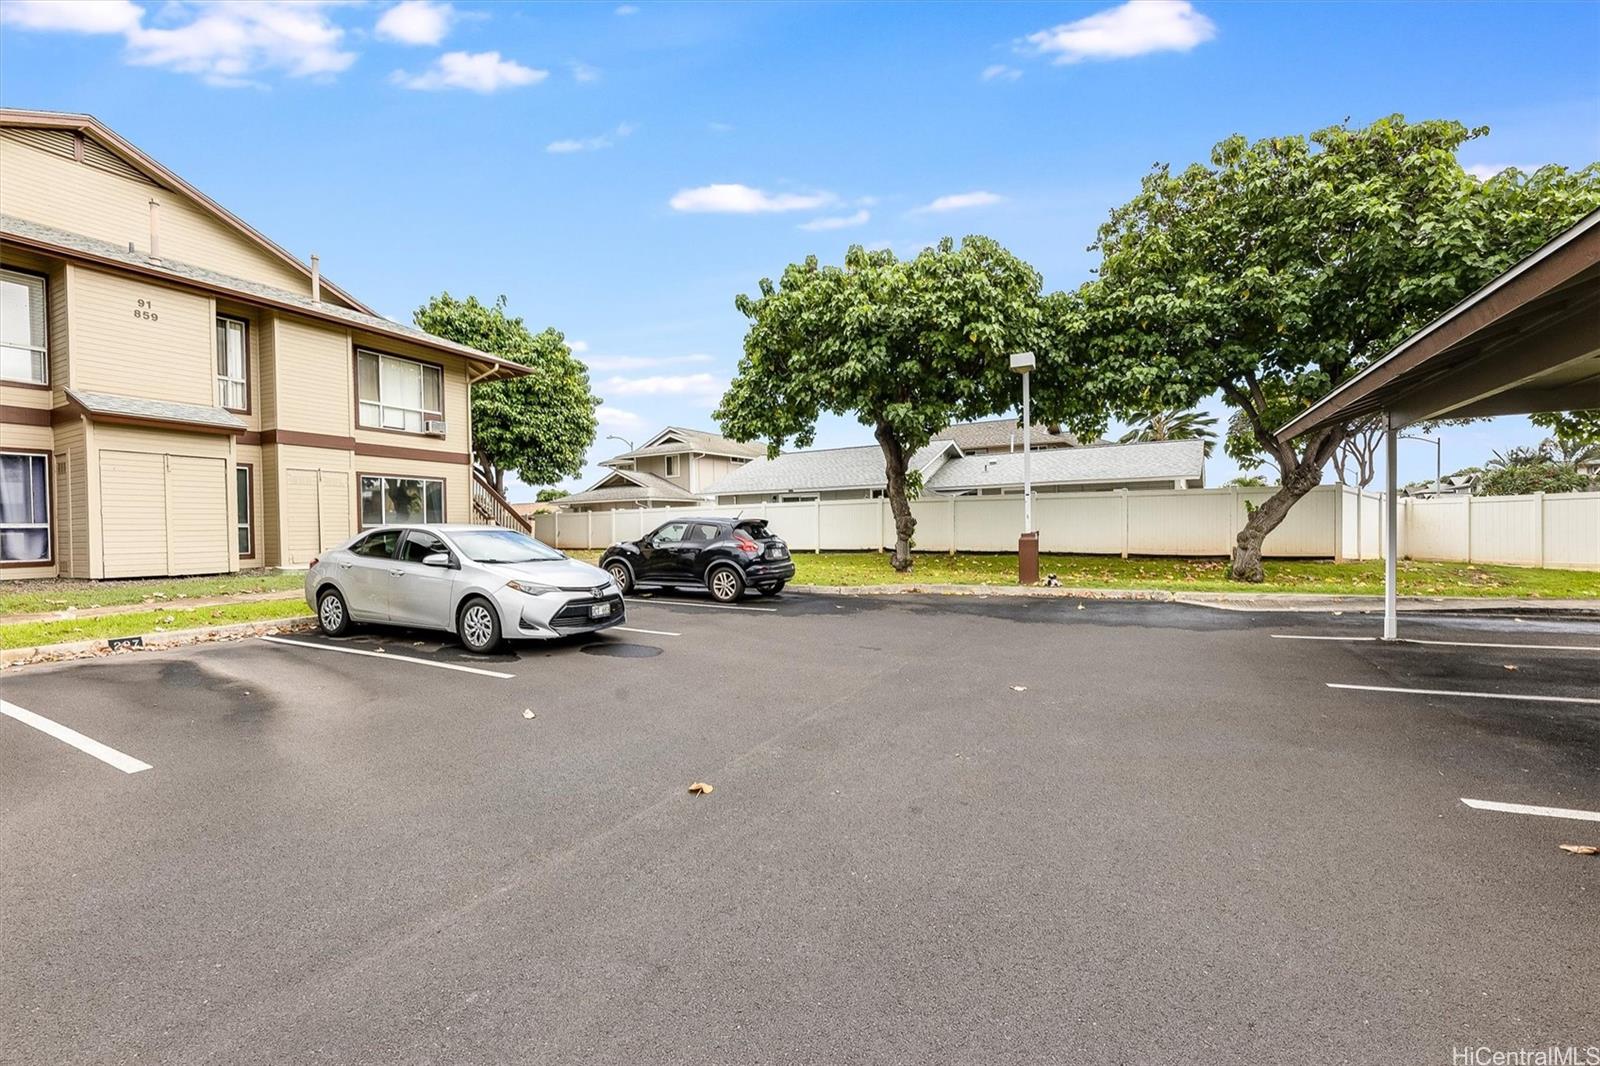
437	559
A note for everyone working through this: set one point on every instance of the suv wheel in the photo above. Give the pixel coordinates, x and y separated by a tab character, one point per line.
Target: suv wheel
478	626
622	576
333	616
726	584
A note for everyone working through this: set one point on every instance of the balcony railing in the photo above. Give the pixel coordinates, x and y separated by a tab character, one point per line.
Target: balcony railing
491	507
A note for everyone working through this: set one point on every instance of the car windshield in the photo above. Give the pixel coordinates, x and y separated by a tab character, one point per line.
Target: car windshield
503	546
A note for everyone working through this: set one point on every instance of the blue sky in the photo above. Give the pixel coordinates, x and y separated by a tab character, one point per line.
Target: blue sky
621	172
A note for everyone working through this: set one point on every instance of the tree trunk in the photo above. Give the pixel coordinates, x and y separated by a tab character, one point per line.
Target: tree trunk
1305	476
894	469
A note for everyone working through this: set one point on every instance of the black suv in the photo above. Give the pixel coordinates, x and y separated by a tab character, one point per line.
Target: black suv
725	555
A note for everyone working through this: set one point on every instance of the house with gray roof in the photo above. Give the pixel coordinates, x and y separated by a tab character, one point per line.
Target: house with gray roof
1004	435
858	473
674	468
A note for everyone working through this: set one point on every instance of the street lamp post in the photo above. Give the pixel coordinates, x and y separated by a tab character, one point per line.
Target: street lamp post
1028	543
624	440
1438	457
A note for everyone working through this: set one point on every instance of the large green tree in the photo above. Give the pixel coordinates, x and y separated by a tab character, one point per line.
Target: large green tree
539	426
1284	266
905	346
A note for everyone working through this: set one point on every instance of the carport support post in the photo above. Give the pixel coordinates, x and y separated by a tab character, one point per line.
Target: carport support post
1391	528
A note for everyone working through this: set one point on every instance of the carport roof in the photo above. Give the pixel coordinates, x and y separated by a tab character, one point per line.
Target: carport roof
1528	341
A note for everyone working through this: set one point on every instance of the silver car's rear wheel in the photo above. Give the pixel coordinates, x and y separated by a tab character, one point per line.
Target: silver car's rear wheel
725	584
479	627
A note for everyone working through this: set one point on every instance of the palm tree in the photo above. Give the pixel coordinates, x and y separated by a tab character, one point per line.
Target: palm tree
1517	457
1173	425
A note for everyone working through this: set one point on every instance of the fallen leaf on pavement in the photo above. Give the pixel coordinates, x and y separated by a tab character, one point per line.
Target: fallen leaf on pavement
700	788
1580	849
1508	665
527	712
1019	688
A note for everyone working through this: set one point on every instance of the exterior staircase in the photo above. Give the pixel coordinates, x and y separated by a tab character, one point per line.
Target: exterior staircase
491	508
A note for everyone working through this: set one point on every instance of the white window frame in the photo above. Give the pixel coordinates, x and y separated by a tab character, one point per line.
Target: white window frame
43	459
225	380
39	352
672	465
245	523
379	412
383	496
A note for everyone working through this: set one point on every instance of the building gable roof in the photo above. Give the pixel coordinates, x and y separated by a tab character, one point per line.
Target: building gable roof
115	147
90	249
677	440
629	485
1003	433
826	470
1155	461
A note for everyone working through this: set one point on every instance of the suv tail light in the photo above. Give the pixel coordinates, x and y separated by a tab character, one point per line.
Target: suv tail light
743	542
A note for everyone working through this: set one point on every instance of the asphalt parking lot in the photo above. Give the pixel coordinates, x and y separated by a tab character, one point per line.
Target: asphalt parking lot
943	830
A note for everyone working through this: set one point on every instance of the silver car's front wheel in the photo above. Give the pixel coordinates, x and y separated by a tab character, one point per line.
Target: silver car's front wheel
479	627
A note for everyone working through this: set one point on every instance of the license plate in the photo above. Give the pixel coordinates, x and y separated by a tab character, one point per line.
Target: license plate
777	551
600	610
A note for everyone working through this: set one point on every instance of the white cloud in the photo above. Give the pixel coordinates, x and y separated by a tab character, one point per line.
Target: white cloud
700	386
860	218
583	73
479	72
616	418
416	22
642	362
959	201
591	144
720	127
1485	171
578	347
626	9
225	44
1135	28
743	200
1000	72
73	16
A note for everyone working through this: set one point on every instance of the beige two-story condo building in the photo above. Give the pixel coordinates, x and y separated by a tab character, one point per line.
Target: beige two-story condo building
180	395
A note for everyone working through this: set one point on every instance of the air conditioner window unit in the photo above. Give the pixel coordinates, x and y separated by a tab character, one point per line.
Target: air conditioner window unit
434	427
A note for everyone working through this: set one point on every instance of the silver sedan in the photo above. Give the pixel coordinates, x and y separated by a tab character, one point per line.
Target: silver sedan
482	583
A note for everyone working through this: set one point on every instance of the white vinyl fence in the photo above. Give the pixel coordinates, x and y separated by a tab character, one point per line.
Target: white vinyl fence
1331	522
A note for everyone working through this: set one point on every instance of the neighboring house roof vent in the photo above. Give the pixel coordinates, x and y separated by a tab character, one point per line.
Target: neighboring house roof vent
316	277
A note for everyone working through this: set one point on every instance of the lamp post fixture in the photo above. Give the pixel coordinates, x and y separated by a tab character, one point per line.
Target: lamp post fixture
1028	543
625	440
1438	457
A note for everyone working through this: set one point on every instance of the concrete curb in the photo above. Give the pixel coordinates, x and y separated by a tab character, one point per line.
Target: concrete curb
101	647
1231	601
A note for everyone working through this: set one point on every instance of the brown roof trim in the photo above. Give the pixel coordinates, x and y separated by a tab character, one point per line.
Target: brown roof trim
1557	262
24	416
258	299
331	441
141	161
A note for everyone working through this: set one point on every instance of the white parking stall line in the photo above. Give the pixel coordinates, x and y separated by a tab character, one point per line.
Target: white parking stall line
1446	643
1525	808
392	658
650	632
1472	695
713	606
88	745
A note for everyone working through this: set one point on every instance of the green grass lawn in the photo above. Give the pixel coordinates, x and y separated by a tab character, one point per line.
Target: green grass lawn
135	623
57	594
1202	575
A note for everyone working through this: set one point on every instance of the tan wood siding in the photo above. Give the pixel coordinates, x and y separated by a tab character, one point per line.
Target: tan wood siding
312	371
58	191
133	516
266	364
72	500
165	358
199	524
